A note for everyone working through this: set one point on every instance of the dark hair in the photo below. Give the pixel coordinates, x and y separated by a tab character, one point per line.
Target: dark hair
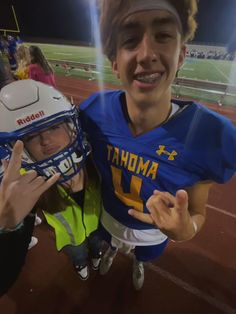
38	57
112	12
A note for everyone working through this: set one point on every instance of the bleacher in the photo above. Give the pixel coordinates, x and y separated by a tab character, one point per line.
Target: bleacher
208	52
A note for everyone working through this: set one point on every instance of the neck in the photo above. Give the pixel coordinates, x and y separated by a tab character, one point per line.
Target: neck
147	117
77	182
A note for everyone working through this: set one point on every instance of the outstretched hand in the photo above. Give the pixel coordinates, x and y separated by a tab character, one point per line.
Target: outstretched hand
169	213
19	193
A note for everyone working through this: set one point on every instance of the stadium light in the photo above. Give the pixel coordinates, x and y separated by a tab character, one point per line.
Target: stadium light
97	40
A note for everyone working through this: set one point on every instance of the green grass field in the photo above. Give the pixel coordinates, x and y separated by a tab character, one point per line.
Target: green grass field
211	70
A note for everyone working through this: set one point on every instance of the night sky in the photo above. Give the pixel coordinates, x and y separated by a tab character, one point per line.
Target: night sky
69	19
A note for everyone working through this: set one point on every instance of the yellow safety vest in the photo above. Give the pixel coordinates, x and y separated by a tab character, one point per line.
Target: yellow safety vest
74	224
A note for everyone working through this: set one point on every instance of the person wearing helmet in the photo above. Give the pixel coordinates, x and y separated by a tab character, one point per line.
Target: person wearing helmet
41	143
157	156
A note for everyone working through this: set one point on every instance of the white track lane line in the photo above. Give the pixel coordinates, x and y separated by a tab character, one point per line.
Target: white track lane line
195	291
222	211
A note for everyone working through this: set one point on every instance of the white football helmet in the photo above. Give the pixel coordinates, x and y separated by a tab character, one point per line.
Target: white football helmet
27	107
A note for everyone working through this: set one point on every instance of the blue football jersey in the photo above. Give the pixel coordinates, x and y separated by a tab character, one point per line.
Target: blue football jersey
195	144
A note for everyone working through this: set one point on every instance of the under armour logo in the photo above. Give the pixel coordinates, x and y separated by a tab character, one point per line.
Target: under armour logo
162	150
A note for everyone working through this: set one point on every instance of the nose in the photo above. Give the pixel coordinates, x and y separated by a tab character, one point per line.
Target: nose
147	51
45	137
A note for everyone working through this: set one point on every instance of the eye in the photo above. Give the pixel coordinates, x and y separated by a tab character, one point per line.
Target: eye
130	41
54	128
163	36
30	138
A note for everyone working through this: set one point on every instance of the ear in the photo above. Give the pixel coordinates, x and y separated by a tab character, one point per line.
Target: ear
115	69
182	56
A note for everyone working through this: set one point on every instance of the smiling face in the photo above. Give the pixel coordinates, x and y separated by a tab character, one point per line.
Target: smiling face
48	142
149	53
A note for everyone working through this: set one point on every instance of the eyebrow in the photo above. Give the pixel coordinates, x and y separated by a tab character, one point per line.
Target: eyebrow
170	20
157	22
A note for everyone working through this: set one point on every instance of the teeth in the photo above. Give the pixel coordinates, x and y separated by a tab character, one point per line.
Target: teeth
148	78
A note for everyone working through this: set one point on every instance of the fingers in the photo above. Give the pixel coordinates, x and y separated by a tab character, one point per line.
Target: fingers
157	192
14	164
166	196
159	203
47	184
28	177
5	164
181	201
162	201
159	210
141	216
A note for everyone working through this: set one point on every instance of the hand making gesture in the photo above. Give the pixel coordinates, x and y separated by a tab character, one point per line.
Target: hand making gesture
170	214
19	193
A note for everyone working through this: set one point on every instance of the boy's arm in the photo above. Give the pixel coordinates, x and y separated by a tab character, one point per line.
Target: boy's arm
197	200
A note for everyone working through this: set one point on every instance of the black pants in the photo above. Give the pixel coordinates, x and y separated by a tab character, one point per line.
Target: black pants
90	248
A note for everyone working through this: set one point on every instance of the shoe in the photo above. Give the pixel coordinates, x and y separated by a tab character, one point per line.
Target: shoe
82	271
33	242
96	263
138	274
106	261
37	221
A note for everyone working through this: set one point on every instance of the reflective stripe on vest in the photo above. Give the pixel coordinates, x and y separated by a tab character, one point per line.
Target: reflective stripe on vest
67	226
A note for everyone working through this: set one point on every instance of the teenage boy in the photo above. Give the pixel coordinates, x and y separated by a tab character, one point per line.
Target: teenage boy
157	157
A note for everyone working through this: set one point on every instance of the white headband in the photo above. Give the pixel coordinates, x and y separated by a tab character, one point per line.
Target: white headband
147	5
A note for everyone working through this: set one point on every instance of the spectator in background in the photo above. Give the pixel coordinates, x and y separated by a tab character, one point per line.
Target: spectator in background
23	61
5	71
39	69
12	52
19	41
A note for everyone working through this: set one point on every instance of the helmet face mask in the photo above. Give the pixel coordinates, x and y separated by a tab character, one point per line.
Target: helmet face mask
68	161
71	158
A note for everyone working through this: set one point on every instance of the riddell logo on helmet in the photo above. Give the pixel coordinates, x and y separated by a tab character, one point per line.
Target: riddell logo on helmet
29	118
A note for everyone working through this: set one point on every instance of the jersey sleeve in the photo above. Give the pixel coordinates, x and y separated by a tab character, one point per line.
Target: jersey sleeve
228	141
222	165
